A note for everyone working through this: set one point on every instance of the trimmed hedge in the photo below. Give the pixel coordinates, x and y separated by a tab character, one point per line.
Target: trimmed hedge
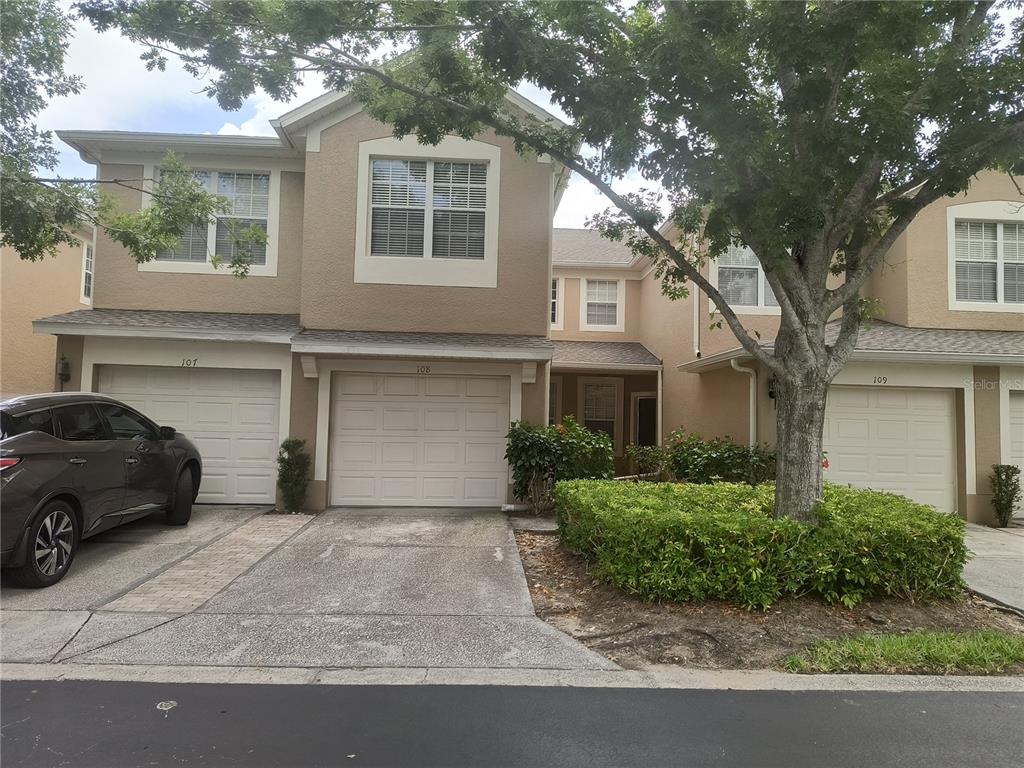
694	459
674	541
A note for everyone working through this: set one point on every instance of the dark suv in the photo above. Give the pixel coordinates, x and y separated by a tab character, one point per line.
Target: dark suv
73	464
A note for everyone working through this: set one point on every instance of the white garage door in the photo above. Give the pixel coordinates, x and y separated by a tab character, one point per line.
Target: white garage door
231	416
893	439
418	440
1017	433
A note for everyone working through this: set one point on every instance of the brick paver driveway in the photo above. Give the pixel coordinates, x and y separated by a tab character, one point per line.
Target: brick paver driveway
346	589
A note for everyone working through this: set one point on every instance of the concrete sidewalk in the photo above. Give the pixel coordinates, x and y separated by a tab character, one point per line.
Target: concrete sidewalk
996	568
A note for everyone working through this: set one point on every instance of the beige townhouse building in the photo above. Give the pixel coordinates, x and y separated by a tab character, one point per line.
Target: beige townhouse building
932	398
30	290
412	301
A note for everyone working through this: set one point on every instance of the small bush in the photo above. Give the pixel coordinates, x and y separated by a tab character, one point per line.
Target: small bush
539	456
1006	492
293	465
693	459
920	653
647	459
677	541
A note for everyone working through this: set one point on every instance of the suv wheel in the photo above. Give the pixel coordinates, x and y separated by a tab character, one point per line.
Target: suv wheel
52	543
180	511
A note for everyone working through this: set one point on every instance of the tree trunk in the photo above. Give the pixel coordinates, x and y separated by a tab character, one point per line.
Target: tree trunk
800	419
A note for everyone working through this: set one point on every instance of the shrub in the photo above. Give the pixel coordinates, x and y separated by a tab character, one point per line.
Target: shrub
693	459
293	465
674	541
647	459
539	456
1006	491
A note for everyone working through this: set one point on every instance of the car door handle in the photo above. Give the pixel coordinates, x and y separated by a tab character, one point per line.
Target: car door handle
77	460
131	460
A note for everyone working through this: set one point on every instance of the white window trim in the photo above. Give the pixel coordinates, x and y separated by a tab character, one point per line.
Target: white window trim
206	268
620	306
406	270
992	210
634	413
559	322
87	300
744	309
582	381
556	384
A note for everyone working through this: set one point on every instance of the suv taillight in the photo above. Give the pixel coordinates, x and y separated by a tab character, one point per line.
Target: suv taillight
8	462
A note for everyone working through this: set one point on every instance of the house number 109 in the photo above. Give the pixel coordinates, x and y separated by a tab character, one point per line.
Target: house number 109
189	362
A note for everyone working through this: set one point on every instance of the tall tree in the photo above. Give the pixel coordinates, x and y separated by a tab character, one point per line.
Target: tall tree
812	132
39	212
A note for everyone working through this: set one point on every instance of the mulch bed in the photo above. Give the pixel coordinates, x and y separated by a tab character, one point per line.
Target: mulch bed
715	635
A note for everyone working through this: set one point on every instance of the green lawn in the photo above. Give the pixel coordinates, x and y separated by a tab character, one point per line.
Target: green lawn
936	653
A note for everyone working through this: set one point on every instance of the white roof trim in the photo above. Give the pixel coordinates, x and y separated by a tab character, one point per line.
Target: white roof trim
91	144
432	351
643	367
200	334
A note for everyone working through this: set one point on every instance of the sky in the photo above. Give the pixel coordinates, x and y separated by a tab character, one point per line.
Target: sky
120	94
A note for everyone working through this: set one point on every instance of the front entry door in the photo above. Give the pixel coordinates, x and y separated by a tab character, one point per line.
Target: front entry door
646	416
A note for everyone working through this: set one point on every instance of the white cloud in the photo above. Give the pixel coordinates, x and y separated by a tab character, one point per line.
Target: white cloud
263	108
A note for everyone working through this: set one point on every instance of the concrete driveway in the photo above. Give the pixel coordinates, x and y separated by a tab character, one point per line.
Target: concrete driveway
996	567
346	589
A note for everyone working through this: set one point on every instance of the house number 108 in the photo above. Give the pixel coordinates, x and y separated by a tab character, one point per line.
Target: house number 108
189	362
422	369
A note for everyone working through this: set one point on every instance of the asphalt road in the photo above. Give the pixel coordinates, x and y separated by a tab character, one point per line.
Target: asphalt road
135	724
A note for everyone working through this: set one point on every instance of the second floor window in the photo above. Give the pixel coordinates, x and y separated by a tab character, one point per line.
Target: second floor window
602	302
989	261
428	208
741	279
248	194
554	300
87	273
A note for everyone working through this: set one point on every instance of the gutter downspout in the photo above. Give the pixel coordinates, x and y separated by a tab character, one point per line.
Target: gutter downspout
752	373
660	417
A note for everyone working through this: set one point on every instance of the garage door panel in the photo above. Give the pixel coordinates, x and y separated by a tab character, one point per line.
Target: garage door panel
230	414
435	453
893	439
435	440
443	386
441	419
400	385
1016	426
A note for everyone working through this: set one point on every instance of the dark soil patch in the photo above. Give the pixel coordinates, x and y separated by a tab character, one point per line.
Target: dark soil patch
715	635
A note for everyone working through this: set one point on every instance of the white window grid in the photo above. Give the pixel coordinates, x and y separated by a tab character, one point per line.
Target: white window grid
88	269
741	279
428	208
600	411
554	300
989	261
248	193
602	302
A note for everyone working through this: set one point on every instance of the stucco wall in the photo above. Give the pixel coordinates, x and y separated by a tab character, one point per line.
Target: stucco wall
987	428
889	284
120	284
330	298
632	325
928	261
28	291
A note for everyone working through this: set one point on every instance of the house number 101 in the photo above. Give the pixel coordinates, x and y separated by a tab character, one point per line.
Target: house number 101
189	362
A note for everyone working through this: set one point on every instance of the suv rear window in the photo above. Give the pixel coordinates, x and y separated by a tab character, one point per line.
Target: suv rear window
37	421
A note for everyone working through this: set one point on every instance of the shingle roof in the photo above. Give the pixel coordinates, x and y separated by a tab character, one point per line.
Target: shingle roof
879	339
878	335
587	246
423	338
568	353
441	345
186	321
